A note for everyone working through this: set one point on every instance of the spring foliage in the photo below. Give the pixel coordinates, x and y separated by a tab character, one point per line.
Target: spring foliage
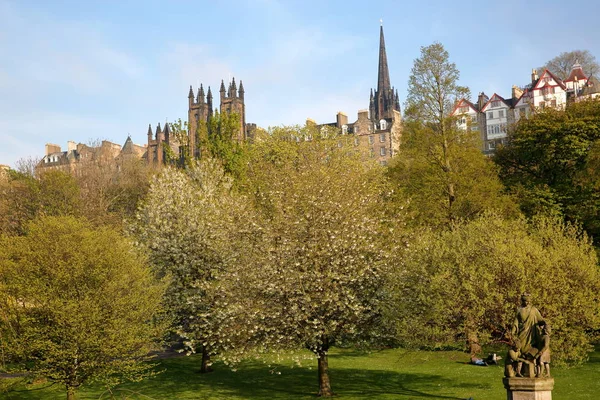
77	303
468	281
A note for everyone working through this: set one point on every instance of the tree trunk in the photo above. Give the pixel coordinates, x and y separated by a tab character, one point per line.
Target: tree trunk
70	393
324	384
473	343
205	367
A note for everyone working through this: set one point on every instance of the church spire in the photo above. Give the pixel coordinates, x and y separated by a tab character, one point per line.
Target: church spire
383	76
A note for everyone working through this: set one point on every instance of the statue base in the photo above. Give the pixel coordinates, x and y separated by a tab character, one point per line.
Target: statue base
528	388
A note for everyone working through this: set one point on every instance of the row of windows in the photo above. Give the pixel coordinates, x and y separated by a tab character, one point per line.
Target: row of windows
49	159
382	152
500	114
496	129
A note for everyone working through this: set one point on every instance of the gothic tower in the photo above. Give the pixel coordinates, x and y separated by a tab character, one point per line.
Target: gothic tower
385	99
232	101
199	110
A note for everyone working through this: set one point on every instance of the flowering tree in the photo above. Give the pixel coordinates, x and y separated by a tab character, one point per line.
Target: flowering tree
192	224
325	245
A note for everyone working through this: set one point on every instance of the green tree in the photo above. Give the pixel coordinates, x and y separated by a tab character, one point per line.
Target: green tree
221	142
550	161
323	250
192	225
23	197
78	303
441	170
562	64
463	286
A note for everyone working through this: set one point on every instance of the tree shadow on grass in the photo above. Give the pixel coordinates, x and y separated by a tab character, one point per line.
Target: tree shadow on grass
258	381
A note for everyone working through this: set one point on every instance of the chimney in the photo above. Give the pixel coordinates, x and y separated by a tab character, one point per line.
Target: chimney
516	92
481	100
310	122
341	119
71	146
363	114
52	148
534	75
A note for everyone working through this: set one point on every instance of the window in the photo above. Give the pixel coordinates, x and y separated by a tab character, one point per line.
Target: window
344	129
356	141
474	119
474	127
371	153
383	163
463	110
491	145
553	103
371	140
542	105
501	114
490	115
383	124
382	151
462	121
355	129
523	112
496	103
382	137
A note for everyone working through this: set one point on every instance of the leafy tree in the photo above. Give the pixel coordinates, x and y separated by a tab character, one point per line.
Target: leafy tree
192	224
77	303
562	64
23	197
220	142
441	169
464	285
550	161
324	247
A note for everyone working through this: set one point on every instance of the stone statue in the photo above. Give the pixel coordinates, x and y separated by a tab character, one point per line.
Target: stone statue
542	358
525	326
530	347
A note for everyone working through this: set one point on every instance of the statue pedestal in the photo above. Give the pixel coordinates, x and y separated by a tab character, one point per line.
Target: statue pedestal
528	388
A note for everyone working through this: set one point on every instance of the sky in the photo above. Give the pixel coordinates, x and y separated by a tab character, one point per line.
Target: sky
88	70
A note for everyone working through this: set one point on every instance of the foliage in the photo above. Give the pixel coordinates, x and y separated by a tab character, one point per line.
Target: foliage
23	197
441	169
192	224
550	161
110	192
221	142
76	303
455	285
562	64
323	251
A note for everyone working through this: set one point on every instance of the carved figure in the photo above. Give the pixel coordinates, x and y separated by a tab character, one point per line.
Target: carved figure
543	356
525	326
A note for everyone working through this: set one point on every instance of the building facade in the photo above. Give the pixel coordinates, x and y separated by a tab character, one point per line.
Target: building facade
377	130
495	116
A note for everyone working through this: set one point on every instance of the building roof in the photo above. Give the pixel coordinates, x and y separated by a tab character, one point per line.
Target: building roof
576	72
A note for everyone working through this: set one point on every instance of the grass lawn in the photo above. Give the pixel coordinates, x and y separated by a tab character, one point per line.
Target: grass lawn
388	374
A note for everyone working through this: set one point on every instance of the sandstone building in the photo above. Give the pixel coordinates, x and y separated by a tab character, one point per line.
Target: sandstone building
378	129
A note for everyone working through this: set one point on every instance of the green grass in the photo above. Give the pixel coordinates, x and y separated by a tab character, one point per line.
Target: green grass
388	374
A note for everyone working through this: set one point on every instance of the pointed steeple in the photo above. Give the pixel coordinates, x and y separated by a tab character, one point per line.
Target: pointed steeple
200	98
371	94
191	95
149	133
209	101
241	91
158	132
383	76
222	90
167	132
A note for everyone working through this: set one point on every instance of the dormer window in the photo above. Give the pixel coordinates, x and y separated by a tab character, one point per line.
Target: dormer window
496	103
383	124
344	129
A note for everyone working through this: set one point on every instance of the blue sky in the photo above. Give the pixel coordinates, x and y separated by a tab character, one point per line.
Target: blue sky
87	70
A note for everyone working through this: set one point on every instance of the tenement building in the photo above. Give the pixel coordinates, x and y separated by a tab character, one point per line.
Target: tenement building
377	129
494	116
